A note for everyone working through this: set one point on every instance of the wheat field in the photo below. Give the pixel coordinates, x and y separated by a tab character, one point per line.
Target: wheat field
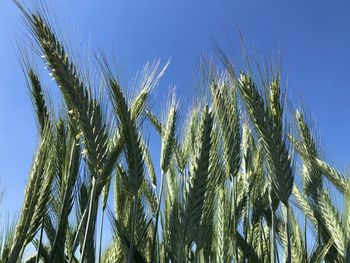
242	179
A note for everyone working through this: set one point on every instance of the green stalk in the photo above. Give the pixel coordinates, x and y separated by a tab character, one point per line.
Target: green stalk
101	233
157	218
77	234
289	248
245	225
305	237
105	193
272	241
40	240
234	196
89	219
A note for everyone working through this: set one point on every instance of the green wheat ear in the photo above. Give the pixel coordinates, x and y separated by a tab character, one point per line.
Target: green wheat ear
332	222
38	99
312	174
75	92
133	148
227	114
196	194
29	212
270	131
168	138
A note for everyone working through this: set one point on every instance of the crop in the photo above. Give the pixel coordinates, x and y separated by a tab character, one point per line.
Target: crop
240	180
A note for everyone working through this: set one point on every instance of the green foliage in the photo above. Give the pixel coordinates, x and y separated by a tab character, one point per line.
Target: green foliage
223	173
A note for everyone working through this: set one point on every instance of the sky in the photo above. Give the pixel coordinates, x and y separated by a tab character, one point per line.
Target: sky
313	38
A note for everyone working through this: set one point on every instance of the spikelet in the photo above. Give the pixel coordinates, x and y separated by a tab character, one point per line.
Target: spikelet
271	134
168	138
196	195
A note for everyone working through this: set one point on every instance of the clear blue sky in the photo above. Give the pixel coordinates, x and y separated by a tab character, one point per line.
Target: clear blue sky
313	36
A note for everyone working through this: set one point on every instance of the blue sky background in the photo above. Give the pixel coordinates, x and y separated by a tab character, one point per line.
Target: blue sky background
313	36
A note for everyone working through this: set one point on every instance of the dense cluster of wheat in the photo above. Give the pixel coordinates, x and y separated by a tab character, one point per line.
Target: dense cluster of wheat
227	189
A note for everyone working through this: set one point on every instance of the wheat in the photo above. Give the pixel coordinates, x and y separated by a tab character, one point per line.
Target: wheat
168	139
195	199
222	175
